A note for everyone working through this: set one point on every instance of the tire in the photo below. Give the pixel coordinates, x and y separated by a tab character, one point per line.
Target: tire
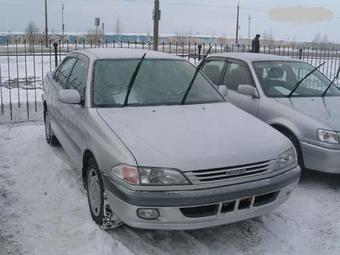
100	210
50	137
296	144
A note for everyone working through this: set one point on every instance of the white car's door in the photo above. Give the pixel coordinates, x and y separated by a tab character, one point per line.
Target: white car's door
75	115
58	83
238	73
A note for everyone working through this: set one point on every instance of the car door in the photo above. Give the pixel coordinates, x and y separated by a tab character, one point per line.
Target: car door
75	115
238	73
59	82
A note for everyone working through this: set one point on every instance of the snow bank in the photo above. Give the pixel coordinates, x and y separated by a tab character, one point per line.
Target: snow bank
44	211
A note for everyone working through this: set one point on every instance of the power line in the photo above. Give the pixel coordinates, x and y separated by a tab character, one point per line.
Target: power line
183	4
199	5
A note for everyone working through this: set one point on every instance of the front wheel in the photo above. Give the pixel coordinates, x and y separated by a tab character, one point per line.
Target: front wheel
101	212
50	137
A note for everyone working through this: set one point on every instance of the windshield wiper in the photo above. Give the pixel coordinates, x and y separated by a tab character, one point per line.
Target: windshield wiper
132	80
195	76
329	86
304	78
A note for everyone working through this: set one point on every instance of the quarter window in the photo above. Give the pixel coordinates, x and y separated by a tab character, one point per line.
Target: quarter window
213	70
64	71
237	74
77	78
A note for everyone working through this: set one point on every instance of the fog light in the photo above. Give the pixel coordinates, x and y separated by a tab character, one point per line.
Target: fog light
148	213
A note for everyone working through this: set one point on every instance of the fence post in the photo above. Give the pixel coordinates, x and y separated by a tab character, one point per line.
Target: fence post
300	53
55	46
199	51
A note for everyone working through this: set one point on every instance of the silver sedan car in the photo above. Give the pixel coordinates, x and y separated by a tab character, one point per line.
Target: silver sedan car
290	95
157	144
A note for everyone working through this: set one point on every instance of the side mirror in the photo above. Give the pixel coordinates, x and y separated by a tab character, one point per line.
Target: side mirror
69	96
247	90
223	90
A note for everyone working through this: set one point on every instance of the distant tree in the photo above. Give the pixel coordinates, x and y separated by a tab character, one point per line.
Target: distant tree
268	39
325	39
321	41
95	37
31	33
317	38
222	40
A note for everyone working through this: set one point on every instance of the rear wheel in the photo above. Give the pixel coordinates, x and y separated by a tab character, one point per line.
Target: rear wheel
50	137
101	212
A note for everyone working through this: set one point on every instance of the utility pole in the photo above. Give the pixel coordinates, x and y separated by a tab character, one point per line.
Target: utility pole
237	22
46	25
156	19
63	25
97	24
249	27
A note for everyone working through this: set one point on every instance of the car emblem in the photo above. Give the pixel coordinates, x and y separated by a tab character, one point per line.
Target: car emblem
236	172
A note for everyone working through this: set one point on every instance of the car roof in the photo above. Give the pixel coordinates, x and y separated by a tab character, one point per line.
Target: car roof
118	53
252	57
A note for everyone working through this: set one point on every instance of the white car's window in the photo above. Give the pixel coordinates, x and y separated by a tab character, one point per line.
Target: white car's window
63	72
213	70
237	73
279	78
159	82
77	79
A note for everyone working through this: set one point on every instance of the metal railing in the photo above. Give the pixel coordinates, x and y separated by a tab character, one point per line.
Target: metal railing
23	66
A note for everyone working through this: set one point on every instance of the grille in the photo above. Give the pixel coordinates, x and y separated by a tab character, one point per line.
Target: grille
222	208
226	173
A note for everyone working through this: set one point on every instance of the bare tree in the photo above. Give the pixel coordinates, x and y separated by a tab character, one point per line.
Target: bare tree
31	33
95	37
222	40
268	39
317	38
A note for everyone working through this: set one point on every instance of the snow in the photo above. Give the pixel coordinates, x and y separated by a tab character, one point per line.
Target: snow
44	210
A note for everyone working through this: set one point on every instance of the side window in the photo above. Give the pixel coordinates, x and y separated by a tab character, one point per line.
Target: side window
77	78
237	74
64	71
213	70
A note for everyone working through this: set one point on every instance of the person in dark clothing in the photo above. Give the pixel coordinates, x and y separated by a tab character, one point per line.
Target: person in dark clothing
255	44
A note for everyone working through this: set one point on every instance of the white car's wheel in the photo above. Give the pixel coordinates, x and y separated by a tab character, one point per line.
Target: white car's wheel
50	137
101	212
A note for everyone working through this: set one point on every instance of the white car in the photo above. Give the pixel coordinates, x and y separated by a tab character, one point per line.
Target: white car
292	96
159	147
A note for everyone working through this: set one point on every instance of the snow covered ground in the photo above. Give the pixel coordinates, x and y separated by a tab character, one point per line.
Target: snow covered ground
43	210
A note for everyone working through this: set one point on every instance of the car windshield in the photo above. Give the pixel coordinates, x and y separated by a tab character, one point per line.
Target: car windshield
278	79
159	82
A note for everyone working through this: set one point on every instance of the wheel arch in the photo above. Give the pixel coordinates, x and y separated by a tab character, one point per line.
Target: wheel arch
45	108
288	131
87	155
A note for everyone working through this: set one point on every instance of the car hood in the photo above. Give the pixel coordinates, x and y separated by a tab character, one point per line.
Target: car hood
326	110
194	136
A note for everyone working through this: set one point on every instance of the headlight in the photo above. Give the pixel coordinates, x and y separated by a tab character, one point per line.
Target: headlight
160	176
327	136
286	159
148	176
126	173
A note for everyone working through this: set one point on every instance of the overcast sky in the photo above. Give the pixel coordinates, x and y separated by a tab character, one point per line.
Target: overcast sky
282	18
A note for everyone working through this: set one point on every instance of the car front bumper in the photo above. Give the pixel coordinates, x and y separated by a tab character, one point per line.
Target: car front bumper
320	158
195	209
